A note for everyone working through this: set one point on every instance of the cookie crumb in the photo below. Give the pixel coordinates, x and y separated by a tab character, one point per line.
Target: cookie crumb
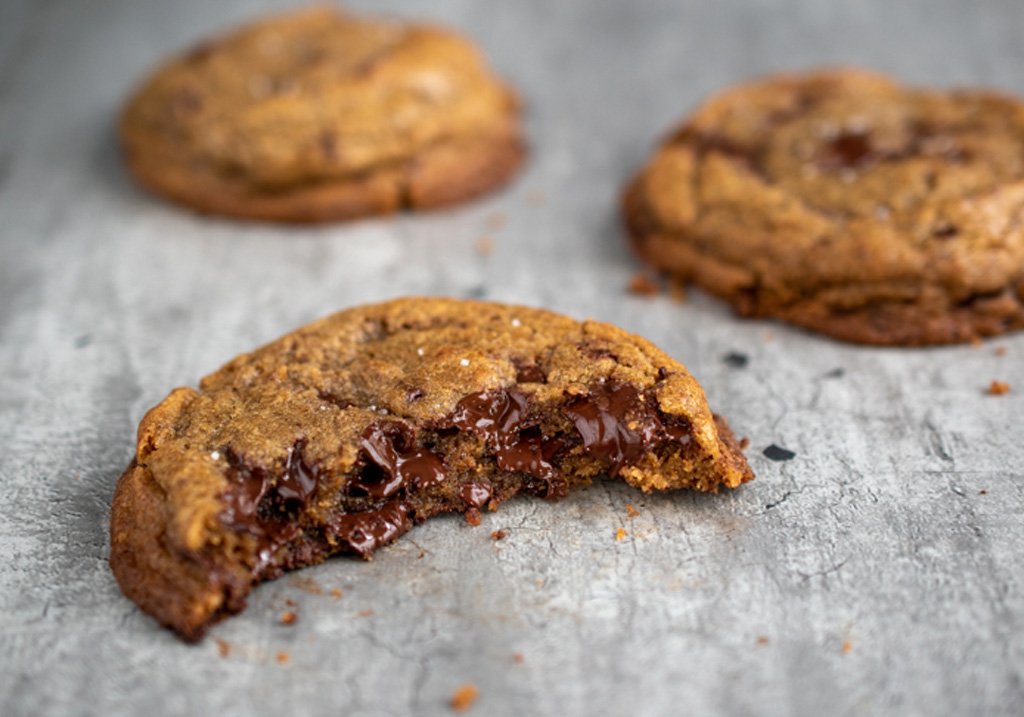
631	511
999	351
484	246
762	639
289	618
998	388
464	697
223	647
847	647
282	657
744	442
498	535
368	612
620	534
336	593
289	602
472	517
982	492
736	359
778	453
517	657
642	285
976	342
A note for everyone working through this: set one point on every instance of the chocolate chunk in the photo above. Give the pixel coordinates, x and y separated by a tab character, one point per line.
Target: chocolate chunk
366	531
617	424
500	417
778	453
393	461
530	374
735	359
848	150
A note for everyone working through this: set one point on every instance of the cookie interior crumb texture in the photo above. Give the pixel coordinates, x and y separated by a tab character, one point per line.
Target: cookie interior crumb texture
339	437
321	115
846	203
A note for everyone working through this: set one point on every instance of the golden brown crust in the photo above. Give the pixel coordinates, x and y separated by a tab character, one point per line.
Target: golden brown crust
845	203
212	503
319	116
164	582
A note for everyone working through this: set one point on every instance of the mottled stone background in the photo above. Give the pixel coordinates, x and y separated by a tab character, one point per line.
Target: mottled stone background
878	571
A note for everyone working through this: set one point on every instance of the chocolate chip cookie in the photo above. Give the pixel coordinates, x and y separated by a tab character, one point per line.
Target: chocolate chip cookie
339	437
846	203
319	116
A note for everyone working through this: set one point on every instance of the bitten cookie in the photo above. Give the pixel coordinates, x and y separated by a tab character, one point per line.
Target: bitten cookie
337	438
845	203
319	116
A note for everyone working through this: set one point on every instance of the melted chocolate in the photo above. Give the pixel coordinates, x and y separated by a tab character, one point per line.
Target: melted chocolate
300	480
259	505
390	448
616	424
249	485
530	374
475	494
500	417
848	150
254	486
853	149
366	531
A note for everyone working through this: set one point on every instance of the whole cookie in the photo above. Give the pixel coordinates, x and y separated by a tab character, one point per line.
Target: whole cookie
846	203
340	436
318	116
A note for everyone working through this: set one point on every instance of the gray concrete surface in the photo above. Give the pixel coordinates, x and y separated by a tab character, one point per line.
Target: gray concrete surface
880	571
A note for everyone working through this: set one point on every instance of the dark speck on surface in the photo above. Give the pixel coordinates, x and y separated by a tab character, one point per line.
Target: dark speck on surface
82	341
836	373
735	359
778	453
476	292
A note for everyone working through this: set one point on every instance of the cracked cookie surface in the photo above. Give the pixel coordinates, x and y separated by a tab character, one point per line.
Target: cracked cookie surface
845	203
339	437
320	115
